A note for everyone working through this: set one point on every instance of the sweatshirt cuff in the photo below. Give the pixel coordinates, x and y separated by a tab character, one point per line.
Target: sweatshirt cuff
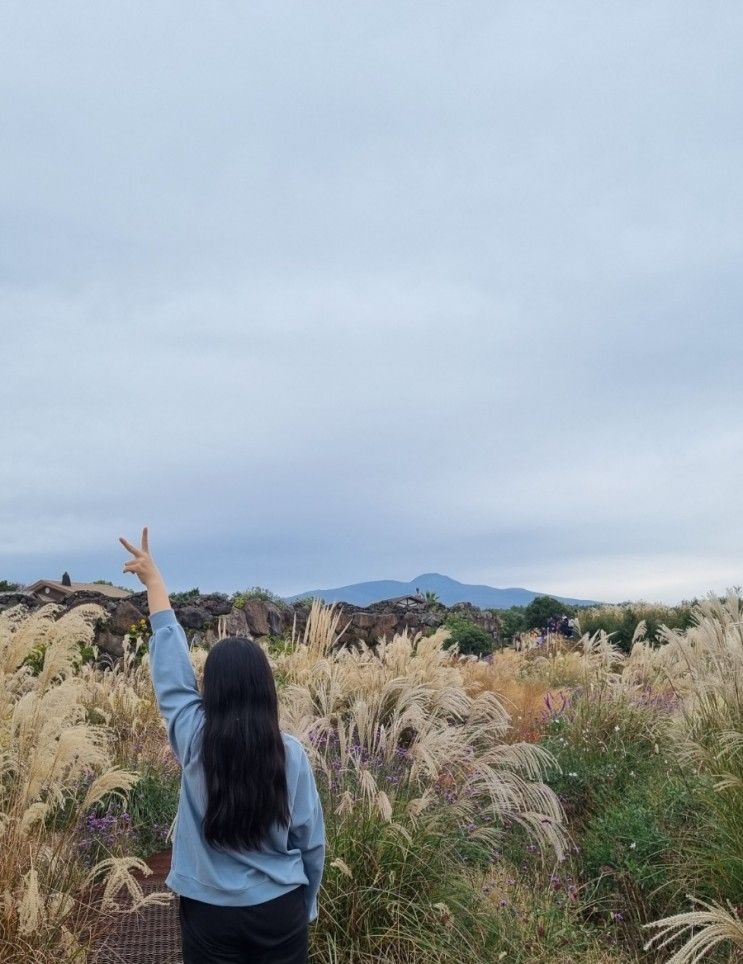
162	618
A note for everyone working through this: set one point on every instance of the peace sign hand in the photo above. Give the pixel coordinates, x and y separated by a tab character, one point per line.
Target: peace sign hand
142	565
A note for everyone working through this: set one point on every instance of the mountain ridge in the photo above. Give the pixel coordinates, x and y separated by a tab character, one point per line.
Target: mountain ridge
448	590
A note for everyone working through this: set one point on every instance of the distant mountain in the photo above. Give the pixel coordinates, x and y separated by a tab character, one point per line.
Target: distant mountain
448	590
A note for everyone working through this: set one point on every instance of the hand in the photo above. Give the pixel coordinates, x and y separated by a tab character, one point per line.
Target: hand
142	565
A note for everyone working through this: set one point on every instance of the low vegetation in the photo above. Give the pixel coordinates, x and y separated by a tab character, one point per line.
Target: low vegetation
567	800
618	621
56	766
258	594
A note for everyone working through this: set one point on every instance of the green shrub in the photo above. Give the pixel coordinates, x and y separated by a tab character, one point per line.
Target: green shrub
471	638
277	645
256	593
187	596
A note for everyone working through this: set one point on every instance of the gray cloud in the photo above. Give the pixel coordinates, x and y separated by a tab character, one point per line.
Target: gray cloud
330	293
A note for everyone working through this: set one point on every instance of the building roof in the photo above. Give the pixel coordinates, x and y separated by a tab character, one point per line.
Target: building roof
113	592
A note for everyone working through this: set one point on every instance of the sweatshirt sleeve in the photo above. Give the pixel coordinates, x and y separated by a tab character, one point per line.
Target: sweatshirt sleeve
307	833
174	680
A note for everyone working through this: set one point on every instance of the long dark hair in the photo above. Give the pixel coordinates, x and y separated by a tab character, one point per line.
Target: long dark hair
242	751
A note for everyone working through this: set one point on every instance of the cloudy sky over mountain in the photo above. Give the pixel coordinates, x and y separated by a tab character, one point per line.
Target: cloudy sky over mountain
334	292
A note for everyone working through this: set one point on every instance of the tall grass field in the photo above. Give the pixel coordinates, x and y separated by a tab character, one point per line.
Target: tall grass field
564	800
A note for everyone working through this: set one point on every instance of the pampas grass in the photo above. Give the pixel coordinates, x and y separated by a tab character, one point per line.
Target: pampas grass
54	764
419	775
708	926
703	667
428	763
408	695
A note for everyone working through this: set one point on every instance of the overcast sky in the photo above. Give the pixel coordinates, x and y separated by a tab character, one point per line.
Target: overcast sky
329	292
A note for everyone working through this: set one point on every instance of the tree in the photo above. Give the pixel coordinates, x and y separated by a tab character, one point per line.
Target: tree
543	608
512	621
6	586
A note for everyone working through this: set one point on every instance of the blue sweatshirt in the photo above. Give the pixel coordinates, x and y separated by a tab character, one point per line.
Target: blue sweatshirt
292	855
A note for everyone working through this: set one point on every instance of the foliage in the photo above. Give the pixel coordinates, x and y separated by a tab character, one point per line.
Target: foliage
306	600
602	743
35	659
54	764
621	621
182	598
256	593
536	615
6	586
542	915
453	788
543	608
119	693
470	639
408	695
706	665
137	639
396	884
419	786
153	803
632	849
139	824
512	621
276	645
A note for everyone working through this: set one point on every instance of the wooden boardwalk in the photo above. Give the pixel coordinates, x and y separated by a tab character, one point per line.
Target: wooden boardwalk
151	936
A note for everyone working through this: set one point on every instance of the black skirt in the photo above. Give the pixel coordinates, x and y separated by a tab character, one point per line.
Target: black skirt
274	932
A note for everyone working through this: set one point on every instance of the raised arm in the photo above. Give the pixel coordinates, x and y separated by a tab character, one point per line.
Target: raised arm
173	678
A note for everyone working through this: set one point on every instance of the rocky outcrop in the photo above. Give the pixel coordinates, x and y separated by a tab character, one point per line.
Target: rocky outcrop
206	617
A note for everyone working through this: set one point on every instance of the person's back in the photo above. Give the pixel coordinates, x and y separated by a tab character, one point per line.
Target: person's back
249	840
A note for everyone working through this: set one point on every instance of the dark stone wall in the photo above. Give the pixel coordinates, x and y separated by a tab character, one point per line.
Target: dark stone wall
200	617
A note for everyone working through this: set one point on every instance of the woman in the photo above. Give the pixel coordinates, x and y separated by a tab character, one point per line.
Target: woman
249	843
